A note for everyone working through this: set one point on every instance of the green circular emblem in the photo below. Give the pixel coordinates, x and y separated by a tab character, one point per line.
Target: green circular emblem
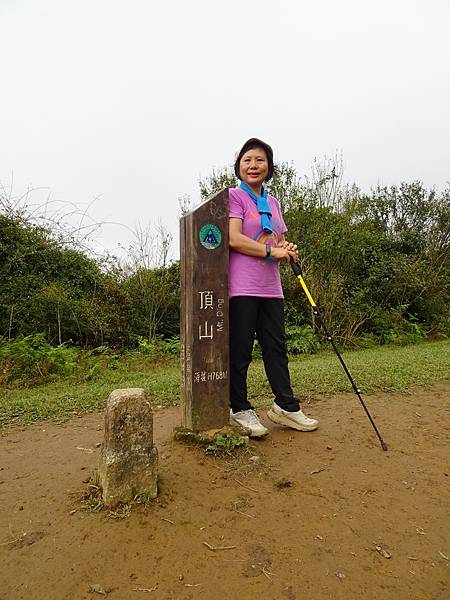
210	236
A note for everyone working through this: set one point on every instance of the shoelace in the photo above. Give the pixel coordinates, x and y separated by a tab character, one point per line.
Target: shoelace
253	418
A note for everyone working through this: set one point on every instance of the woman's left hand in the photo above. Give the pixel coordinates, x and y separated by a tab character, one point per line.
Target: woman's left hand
291	248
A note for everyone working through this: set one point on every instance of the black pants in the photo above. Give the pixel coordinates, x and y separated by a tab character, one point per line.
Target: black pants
265	317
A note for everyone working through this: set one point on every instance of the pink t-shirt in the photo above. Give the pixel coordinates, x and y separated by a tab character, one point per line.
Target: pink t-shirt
251	275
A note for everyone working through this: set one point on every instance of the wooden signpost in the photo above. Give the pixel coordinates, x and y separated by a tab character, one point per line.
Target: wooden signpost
204	315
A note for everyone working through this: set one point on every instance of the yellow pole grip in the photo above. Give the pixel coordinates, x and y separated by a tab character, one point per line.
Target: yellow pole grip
305	289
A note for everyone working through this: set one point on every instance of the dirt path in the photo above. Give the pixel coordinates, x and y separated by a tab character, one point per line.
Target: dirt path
308	515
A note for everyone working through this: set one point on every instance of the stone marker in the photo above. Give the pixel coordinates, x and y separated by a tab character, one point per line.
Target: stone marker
204	315
128	459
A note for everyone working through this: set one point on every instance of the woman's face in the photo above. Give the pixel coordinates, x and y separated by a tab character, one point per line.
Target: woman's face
254	167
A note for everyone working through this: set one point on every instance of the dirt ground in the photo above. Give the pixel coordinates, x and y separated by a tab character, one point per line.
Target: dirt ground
317	515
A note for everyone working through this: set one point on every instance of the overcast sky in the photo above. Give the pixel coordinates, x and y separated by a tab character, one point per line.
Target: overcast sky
130	102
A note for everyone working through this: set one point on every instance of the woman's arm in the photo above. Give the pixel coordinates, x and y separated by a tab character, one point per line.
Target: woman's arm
245	245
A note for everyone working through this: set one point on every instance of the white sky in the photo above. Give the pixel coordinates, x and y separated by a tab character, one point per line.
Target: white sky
131	102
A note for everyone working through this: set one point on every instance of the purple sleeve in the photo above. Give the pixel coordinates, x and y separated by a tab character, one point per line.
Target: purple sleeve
235	208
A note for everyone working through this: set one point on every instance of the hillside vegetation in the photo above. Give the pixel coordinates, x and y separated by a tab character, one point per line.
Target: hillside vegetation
377	263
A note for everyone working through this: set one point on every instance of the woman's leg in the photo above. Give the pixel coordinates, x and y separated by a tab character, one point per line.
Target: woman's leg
243	315
271	336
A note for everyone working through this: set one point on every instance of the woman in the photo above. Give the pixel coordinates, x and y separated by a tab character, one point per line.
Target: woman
257	246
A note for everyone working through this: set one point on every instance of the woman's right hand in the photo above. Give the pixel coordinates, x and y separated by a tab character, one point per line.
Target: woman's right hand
281	254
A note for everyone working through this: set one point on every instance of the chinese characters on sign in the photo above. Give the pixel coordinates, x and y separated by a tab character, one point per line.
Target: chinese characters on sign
206	299
212	313
202	376
207	332
213	320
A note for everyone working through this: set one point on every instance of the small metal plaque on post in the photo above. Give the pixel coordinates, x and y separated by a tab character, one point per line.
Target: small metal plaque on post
204	315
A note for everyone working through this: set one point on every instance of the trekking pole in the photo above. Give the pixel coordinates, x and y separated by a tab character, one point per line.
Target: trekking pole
299	274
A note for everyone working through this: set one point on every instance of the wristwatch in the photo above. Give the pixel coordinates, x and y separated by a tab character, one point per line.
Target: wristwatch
268	250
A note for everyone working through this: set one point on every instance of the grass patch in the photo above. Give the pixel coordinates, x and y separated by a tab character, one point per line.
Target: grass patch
91	500
383	368
60	399
224	443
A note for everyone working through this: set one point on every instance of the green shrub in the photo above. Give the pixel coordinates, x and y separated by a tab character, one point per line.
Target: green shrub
32	357
301	339
394	328
158	346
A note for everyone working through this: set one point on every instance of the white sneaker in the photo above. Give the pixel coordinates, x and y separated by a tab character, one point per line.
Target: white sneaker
296	420
249	420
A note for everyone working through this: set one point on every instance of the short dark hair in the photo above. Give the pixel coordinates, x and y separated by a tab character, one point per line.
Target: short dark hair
250	145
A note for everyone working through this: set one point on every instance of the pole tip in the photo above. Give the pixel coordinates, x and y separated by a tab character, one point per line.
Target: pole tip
384	446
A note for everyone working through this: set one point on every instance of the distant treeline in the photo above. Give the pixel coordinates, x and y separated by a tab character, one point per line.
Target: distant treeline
52	288
377	263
